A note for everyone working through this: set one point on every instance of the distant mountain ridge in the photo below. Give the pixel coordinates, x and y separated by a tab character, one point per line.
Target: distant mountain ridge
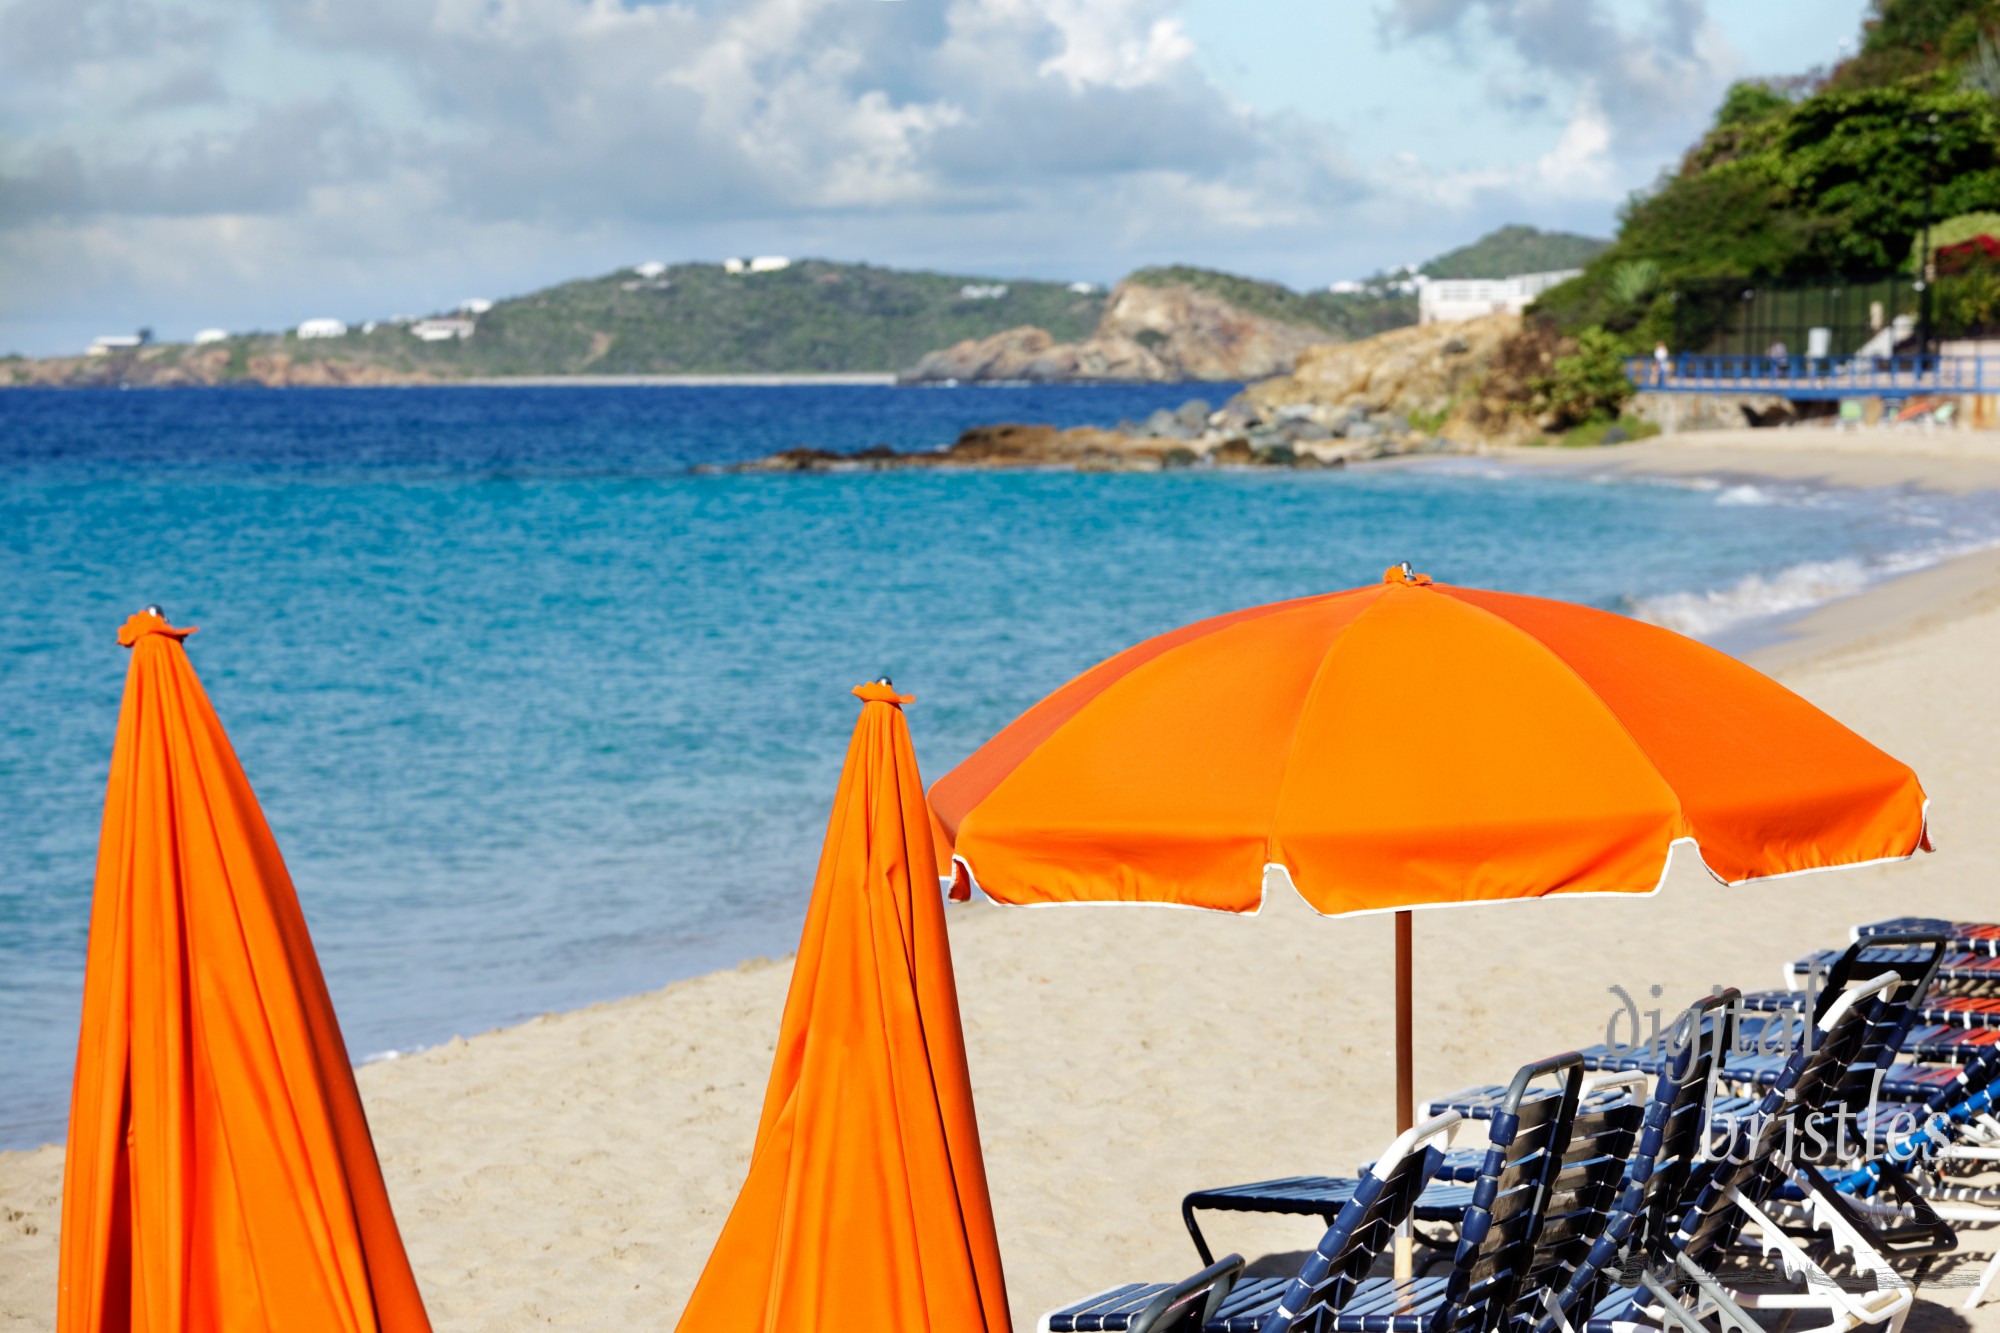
1515	250
819	316
814	316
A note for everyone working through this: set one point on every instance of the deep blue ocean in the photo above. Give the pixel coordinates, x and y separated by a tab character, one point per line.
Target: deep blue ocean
540	717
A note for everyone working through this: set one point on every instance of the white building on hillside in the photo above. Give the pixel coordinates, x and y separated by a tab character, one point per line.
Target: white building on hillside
206	336
769	263
649	270
441	330
474	305
733	266
322	328
1444	300
107	343
982	291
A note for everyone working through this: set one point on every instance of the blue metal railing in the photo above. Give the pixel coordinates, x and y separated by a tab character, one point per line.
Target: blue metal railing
1801	377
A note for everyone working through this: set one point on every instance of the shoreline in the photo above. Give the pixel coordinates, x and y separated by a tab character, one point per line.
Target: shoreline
1956	462
831	379
576	1167
1885	609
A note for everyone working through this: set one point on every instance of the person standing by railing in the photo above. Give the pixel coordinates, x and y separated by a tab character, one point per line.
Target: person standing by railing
1660	355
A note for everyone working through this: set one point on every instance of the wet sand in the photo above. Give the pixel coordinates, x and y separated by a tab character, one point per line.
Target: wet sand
574	1171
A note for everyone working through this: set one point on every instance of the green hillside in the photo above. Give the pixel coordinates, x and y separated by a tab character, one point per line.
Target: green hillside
1514	250
697	319
1800	182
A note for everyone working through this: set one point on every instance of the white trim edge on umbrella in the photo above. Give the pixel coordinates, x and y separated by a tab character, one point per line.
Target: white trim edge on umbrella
1277	871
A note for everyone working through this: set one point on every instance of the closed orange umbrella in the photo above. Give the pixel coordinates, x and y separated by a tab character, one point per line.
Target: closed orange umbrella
219	1173
866	1205
1411	744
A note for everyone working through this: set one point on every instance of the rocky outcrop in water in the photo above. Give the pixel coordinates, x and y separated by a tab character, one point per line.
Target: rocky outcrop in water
1147	333
1238	435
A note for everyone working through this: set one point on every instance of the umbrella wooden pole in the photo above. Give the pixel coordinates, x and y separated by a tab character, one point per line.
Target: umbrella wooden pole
1406	1105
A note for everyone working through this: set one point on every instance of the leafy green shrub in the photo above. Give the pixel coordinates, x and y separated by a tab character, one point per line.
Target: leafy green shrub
1588	383
1605	430
1968	303
1901	38
1951	231
1428	423
1634	281
1750	101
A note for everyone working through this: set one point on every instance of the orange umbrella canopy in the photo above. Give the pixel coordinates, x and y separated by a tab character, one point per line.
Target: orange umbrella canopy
219	1173
866	1205
1411	743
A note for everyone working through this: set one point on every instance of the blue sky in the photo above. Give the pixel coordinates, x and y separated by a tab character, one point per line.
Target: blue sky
250	163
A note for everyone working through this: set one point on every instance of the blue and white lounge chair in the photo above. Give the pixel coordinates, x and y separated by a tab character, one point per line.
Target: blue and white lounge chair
1937	1153
1875	1075
1679	1274
1363	1228
1505	1258
1959	936
1959	972
1685	1083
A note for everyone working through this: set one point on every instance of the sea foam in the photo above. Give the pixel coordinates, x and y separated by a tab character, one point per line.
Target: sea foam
1754	597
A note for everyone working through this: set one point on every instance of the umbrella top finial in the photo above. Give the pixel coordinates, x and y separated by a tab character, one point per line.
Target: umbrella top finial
152	620
1402	573
880	691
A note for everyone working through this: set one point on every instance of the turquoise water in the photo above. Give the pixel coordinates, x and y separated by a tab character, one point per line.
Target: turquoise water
541	718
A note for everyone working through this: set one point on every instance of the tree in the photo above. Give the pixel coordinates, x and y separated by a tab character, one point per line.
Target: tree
1588	384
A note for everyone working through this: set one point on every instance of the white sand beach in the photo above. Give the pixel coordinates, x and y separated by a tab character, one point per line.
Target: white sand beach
573	1172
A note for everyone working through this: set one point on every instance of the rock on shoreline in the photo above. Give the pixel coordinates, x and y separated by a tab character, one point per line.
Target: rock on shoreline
1430	388
1192	436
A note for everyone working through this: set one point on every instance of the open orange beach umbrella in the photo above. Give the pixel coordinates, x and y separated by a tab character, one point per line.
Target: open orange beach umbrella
219	1173
1411	744
866	1205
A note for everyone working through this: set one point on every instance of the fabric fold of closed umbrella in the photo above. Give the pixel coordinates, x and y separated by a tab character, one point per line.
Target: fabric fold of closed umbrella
866	1205
219	1171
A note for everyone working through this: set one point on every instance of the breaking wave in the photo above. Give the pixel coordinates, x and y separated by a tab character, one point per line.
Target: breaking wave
1757	596
1745	494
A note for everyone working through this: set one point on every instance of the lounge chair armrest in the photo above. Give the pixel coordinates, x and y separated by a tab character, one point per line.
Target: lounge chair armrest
1188	1305
1921	1235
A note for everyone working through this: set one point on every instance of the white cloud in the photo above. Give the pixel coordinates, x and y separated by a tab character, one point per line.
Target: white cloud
1644	69
1121	44
354	155
1581	160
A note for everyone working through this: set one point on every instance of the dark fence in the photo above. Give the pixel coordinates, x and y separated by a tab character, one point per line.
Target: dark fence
1740	317
1743	317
